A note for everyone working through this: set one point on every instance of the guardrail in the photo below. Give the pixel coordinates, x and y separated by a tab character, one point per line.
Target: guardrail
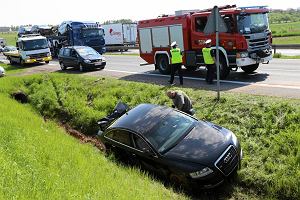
285	46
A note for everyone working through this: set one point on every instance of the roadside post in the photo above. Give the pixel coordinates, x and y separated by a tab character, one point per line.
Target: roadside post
216	24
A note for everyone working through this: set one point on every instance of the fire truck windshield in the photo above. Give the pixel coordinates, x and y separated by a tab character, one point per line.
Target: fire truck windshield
92	33
253	23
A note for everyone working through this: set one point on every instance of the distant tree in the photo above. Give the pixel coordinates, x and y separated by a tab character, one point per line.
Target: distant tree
124	21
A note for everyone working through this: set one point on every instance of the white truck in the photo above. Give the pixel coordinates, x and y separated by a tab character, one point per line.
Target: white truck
32	48
120	35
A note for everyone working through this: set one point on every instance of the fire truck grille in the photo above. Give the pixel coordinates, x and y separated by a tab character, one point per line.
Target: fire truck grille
258	44
227	161
37	56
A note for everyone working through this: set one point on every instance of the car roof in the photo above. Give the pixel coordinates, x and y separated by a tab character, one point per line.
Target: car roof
142	118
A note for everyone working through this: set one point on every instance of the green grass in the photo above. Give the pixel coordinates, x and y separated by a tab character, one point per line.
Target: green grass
279	55
10	38
285	29
287	40
268	128
11	69
39	161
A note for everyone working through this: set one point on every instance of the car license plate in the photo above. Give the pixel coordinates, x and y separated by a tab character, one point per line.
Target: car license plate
98	63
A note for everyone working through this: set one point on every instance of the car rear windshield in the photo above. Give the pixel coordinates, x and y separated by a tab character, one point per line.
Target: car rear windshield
169	130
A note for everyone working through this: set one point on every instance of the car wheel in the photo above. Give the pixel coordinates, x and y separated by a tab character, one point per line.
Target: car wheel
62	66
163	65
47	62
81	68
22	62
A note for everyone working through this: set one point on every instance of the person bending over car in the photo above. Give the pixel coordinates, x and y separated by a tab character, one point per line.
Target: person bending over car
181	101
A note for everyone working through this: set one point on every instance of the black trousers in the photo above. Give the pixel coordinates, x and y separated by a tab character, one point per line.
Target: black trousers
176	68
211	70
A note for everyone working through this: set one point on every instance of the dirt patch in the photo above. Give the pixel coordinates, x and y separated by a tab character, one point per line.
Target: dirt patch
83	138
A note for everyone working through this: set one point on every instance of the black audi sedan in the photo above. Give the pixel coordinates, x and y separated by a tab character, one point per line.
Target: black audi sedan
82	57
178	146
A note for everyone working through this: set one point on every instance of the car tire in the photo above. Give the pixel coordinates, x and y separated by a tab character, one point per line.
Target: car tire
163	65
62	66
81	68
22	62
47	62
250	68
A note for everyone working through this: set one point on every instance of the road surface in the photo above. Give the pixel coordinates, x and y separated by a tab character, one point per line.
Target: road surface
279	78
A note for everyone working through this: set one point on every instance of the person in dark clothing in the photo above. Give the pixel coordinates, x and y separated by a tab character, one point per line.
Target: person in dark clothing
176	58
209	59
181	101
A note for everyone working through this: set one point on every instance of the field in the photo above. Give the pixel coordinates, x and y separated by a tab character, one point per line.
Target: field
287	40
268	128
10	38
39	161
285	29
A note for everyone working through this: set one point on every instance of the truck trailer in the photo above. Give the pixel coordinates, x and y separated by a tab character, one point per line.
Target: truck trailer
120	35
74	33
245	45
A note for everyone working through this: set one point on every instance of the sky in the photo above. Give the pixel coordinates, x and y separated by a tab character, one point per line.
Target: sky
20	12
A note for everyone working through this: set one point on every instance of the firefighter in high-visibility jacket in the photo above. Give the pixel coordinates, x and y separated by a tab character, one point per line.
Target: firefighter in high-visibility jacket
176	59
209	60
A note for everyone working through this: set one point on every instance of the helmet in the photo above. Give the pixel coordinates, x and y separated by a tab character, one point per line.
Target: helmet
174	44
2	71
208	41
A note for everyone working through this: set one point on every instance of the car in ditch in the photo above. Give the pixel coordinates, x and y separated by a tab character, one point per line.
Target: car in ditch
170	143
82	57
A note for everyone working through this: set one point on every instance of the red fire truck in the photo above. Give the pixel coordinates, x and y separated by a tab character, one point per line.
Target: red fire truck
246	44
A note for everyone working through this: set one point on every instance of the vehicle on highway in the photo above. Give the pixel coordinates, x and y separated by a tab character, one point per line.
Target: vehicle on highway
2	71
44	30
9	48
24	30
31	48
246	44
82	57
120	35
2	42
171	143
77	33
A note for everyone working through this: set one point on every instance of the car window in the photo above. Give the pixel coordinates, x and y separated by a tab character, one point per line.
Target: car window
121	136
140	144
67	52
61	51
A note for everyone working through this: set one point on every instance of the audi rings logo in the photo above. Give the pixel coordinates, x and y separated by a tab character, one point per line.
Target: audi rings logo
227	158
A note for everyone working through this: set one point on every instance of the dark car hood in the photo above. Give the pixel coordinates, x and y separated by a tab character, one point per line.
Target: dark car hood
203	145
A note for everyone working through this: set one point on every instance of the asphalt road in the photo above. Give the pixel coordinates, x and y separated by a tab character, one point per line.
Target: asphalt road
279	78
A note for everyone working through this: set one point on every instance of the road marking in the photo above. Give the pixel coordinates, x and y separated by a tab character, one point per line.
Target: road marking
202	79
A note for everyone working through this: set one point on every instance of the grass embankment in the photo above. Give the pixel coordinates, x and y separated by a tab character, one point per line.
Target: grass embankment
279	55
10	38
39	161
268	128
287	40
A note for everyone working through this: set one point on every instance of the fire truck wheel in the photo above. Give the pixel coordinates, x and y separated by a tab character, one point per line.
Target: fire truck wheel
250	68
163	65
22	62
224	70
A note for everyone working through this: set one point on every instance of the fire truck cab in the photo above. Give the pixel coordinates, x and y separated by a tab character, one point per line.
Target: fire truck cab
246	44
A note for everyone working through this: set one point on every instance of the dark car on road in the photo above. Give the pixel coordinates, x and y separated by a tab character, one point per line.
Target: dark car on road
82	57
173	144
9	48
